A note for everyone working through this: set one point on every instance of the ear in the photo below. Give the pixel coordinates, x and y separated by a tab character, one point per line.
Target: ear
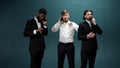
85	16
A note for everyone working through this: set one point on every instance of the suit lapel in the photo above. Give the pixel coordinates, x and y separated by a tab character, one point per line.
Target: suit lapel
39	22
35	24
88	25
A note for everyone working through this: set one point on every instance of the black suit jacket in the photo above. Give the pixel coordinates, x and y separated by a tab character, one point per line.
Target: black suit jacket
36	41
83	30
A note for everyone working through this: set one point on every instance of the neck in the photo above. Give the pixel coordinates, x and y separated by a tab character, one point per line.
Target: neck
87	20
66	21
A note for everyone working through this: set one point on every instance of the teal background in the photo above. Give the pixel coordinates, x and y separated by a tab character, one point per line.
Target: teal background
14	47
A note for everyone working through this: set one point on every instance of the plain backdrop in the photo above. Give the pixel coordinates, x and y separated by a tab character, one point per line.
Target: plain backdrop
14	46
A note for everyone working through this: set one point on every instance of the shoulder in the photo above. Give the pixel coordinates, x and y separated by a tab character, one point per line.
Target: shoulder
83	24
74	23
71	21
30	21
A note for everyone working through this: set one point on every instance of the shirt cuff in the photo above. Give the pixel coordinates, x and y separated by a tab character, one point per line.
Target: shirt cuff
45	26
34	32
87	37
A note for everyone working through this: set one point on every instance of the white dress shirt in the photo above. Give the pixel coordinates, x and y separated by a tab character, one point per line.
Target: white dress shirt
66	31
38	25
89	23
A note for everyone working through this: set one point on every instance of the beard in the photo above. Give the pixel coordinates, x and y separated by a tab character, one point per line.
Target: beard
90	18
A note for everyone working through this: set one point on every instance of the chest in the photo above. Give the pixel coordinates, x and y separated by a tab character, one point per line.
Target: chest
87	29
67	27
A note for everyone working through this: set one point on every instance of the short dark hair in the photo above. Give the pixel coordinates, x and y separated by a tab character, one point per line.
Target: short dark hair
42	10
87	10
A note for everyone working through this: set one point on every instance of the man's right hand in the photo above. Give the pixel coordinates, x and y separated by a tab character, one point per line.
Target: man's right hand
61	20
91	35
39	30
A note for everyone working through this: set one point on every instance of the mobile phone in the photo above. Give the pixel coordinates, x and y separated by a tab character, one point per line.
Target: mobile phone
91	18
45	19
61	18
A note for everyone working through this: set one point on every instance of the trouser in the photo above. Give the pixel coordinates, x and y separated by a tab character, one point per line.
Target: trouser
36	59
66	49
88	55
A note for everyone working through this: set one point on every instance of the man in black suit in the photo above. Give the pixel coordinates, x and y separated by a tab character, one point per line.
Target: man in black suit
36	29
87	33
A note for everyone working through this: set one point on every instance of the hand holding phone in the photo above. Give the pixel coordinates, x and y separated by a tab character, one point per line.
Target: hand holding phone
44	21
93	21
61	18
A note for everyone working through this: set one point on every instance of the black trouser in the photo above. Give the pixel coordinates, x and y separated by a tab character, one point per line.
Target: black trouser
66	49
88	55
36	59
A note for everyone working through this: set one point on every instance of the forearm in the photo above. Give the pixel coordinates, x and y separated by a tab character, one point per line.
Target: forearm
56	27
97	29
45	31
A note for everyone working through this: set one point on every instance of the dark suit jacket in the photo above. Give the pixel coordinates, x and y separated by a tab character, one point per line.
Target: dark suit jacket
83	30
36	41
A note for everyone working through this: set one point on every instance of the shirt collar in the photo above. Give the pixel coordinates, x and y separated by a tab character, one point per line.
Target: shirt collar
88	21
37	21
68	22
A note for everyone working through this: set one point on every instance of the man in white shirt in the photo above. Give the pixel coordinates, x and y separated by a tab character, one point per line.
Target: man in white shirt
66	45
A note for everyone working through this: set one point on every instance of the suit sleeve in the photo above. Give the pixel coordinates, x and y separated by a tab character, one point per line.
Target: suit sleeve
28	31
81	35
45	31
97	29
